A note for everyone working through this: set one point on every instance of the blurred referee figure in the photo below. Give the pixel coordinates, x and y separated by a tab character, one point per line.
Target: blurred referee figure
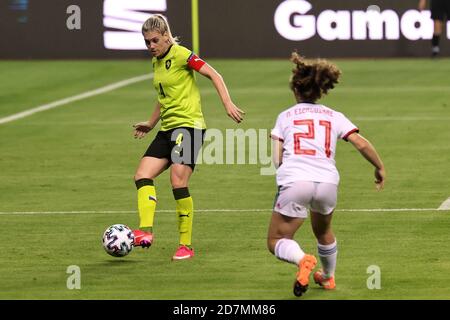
440	13
180	137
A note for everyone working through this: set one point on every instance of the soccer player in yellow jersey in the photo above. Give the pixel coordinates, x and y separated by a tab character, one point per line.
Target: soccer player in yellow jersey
179	140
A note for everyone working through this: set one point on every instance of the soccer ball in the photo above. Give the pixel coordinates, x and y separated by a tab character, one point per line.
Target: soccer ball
118	240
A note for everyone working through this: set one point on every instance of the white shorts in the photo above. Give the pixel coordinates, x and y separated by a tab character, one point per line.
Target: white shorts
295	199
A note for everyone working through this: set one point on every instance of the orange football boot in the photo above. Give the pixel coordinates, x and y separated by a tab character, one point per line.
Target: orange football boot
324	282
305	268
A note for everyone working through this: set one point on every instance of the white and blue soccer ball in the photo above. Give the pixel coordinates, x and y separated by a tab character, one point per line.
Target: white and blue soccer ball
118	240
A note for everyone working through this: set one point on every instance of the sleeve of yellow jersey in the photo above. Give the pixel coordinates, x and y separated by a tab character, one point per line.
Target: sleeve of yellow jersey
183	55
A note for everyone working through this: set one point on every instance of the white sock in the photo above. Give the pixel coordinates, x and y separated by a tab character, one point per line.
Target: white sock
289	250
328	254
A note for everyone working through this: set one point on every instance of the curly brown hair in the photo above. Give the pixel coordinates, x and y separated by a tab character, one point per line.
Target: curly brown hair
312	78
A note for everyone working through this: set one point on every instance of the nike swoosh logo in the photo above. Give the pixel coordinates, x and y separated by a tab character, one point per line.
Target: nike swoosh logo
184	215
197	59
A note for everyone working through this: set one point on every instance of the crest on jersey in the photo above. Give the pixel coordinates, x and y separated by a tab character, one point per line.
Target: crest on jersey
168	64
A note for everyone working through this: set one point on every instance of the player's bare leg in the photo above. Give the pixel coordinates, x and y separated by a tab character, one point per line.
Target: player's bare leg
150	168
327	248
280	242
281	227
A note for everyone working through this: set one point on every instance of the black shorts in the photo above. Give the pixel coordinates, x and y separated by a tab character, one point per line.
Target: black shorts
179	145
440	10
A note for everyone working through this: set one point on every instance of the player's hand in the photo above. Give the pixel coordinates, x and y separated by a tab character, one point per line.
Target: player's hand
380	178
422	5
141	129
234	112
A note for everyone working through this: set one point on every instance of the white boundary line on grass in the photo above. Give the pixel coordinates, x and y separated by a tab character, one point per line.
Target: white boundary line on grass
213	210
77	97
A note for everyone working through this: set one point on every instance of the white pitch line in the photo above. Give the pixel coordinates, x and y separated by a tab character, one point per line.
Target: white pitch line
387	210
394	118
124	211
211	210
77	97
445	205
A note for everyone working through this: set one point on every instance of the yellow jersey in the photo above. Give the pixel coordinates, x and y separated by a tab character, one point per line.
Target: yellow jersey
177	89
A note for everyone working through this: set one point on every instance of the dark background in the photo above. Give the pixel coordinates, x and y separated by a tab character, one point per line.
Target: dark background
36	29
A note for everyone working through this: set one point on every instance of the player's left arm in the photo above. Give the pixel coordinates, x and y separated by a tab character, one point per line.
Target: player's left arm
206	70
368	151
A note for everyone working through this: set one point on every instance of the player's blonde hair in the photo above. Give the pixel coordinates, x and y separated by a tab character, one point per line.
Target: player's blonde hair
312	78
157	22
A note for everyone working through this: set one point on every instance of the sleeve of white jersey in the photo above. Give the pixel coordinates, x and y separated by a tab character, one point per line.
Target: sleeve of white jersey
277	132
345	127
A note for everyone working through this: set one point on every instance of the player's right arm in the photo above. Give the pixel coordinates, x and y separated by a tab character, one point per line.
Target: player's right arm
277	152
142	128
368	151
277	143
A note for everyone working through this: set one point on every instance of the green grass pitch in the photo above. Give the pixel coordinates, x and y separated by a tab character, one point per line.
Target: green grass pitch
82	157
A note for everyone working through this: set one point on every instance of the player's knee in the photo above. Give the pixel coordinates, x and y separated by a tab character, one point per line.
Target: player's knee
179	183
326	238
271	242
319	233
142	174
139	176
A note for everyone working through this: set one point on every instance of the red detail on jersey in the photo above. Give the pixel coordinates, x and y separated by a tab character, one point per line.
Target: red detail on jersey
349	133
274	137
195	62
309	135
327	125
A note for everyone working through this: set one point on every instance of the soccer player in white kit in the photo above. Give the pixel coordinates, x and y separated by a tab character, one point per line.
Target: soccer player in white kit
304	141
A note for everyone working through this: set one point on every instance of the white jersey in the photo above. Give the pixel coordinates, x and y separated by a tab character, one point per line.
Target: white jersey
309	133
